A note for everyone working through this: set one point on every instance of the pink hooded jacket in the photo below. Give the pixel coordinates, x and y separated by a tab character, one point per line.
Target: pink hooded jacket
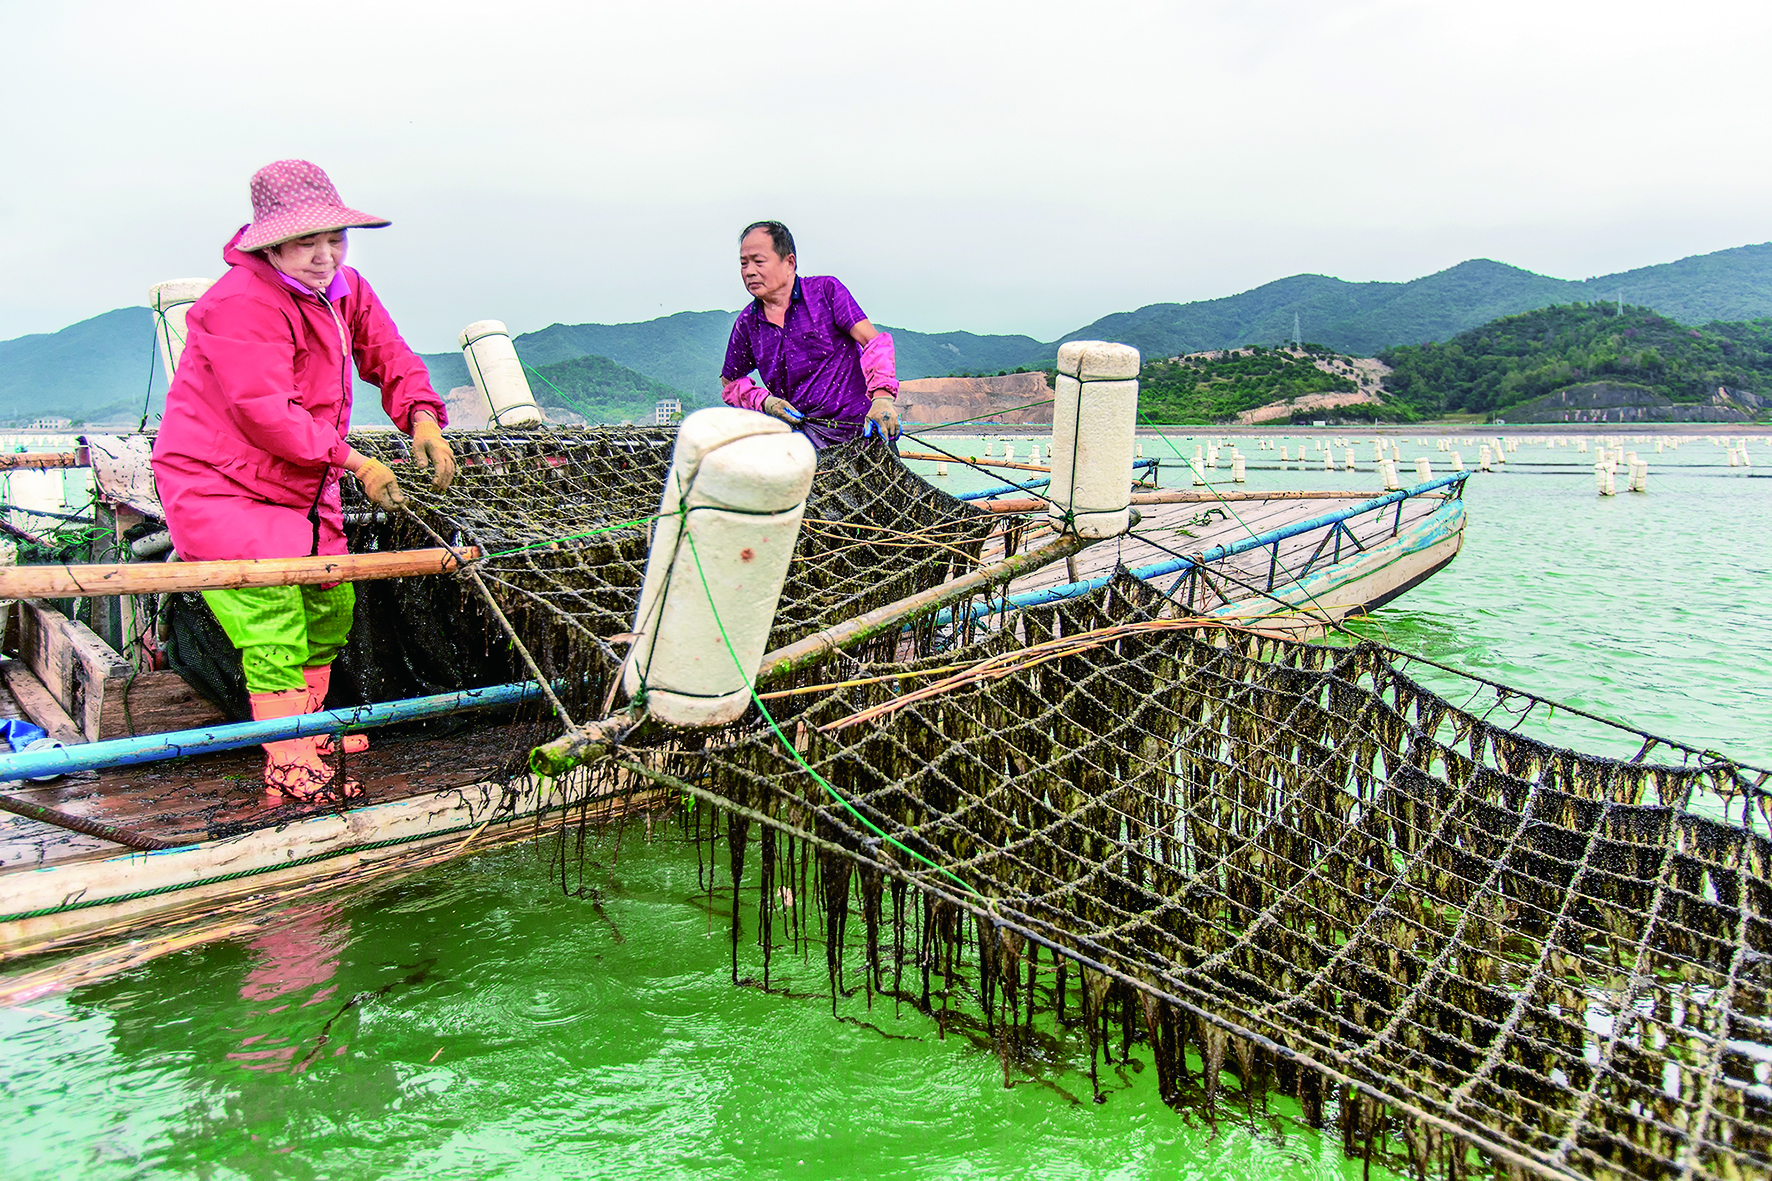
248	453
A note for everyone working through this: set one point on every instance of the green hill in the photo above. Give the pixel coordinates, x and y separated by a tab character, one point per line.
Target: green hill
685	351
99	368
1363	318
1216	387
1520	358
603	391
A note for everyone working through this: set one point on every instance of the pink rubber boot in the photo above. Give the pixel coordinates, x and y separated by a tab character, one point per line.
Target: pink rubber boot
292	766
319	682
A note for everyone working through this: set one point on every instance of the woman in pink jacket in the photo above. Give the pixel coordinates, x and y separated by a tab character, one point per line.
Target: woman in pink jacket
252	445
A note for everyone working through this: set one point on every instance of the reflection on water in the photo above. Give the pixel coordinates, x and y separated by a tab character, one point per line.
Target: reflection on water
297	960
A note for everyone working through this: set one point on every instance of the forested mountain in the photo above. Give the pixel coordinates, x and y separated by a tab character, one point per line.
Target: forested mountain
685	351
100	369
1362	318
1519	358
1216	387
603	391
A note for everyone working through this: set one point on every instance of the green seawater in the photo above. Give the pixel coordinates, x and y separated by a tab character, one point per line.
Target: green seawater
471	1021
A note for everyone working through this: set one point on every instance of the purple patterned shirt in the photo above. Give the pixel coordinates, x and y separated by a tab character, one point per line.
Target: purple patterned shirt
811	360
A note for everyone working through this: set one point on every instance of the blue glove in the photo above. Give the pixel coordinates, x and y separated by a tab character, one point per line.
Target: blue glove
19	734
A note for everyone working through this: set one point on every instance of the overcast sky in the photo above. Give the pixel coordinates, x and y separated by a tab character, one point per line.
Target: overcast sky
996	167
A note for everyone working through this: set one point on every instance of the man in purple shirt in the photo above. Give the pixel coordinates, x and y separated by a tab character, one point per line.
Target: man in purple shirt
826	371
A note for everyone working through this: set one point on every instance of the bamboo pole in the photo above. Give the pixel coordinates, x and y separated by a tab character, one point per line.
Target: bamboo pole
895	615
44	459
1028	504
587	743
1024	467
149	578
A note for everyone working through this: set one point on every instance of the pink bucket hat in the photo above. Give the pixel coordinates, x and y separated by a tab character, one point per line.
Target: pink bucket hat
293	198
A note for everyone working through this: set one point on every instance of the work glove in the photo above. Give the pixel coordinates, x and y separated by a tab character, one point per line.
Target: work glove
882	418
430	451
379	484
782	409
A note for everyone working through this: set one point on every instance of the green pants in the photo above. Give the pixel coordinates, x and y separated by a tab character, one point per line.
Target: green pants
281	630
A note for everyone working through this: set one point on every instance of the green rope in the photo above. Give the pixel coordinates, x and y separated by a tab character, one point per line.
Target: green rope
791	749
546	382
554	541
978	417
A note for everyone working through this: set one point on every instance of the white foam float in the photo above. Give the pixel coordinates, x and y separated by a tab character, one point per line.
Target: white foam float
727	524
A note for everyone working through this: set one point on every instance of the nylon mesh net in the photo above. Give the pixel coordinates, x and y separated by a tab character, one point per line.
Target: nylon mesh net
1295	866
1284	869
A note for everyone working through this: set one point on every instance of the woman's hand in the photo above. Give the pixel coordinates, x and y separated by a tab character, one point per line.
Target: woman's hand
377	480
430	451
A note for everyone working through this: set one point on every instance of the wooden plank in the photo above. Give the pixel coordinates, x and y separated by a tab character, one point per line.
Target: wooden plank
44	647
77	667
155	703
37	703
147	578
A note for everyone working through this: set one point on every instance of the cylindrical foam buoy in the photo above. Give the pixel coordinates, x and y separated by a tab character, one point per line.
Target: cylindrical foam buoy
1424	470
1387	472
1457	461
169	301
731	512
1034	453
1239	470
1093	420
941	468
493	364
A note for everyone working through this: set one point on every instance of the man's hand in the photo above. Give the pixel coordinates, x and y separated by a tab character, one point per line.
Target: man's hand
430	451
882	418
783	409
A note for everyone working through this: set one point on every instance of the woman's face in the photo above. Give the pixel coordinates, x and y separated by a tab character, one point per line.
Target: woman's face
312	260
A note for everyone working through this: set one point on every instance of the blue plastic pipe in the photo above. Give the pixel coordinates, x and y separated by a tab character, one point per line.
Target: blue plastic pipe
1071	590
151	748
1003	489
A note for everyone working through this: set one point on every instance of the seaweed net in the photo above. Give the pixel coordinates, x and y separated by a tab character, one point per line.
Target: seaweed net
562	518
1285	869
1291	866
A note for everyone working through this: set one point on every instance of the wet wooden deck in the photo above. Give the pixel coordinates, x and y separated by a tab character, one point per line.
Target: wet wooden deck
222	794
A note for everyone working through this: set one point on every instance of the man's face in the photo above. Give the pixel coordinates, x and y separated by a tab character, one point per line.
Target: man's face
764	272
